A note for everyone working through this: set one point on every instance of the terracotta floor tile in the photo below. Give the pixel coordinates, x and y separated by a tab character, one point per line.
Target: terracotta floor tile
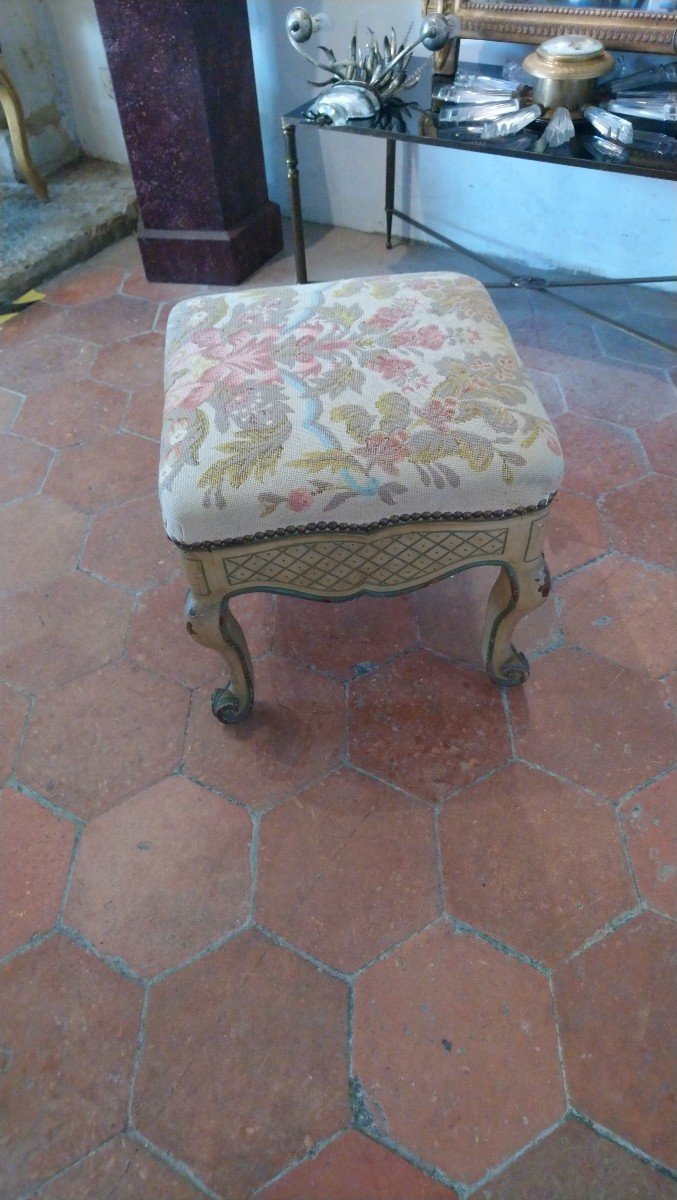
244	1066
34	322
256	614
618	392
128	545
144	411
110	320
135	363
640	519
163	875
347	869
575	533
295	734
117	467
451	617
337	638
573	1163
158	639
624	611
10	403
59	630
70	1027
597	454
456	1051
659	439
136	284
650	821
534	862
670	685
71	412
626	347
356	1168
40	538
23	466
103	737
35	854
59	359
557	343
602	726
616	1006
549	391
426	725
122	1170
13	711
84	284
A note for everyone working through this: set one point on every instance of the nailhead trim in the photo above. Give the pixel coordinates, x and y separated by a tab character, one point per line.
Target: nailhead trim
335	526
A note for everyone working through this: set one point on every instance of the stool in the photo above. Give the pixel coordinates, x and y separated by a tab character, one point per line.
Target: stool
360	437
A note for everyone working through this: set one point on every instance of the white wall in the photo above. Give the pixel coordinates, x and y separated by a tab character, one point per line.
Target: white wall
541	214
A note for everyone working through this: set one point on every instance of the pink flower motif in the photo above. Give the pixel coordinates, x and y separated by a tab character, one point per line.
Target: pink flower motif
300	498
233	361
386	317
553	445
390	366
385	450
426	337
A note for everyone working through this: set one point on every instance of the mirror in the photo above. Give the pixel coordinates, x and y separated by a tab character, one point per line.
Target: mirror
642	26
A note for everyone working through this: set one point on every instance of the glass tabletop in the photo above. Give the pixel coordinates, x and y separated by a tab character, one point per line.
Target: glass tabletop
412	118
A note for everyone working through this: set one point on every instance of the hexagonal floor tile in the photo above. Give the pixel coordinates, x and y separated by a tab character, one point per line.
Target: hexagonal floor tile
618	392
574	534
601	726
103	737
659	439
13	710
640	519
119	466
136	284
354	1167
32	323
650	821
10	403
426	725
40	538
451	617
338	638
347	869
70	1028
597	454
68	413
626	347
574	1163
294	735
122	1170
109	320
162	876
624	611
84	284
456	1051
616	1011
549	391
533	861
128	545
35	854
60	359
556	343
135	363
23	466
158	638
244	1066
57	631
145	410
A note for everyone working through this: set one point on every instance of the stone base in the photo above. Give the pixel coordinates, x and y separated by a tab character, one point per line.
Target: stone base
211	256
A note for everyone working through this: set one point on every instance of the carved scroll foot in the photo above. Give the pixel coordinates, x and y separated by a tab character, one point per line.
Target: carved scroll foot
517	592
214	626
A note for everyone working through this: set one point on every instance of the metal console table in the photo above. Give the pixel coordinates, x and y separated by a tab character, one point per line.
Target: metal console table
414	121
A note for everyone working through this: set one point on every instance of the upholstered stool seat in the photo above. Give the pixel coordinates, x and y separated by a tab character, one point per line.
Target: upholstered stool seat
361	436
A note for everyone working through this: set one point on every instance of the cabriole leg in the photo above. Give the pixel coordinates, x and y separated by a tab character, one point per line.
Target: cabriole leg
214	626
517	592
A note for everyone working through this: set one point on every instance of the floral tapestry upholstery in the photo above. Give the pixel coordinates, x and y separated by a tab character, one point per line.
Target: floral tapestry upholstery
346	402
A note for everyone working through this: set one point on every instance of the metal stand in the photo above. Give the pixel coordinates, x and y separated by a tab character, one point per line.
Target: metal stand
391	147
295	197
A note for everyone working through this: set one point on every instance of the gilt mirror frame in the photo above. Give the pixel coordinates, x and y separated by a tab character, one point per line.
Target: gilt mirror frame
511	21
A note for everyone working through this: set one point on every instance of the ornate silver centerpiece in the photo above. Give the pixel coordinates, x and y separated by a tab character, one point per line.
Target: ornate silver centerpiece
360	84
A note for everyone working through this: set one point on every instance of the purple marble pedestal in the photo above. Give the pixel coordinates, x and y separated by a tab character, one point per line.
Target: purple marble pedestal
184	82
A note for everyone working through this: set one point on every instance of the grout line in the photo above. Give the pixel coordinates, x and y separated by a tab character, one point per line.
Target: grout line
496	1172
181	1168
44	802
36	1188
462	927
199	955
316	1149
278	940
622	833
32	944
560	1042
618	1140
415	1160
114	961
140	1043
600	934
254	862
71	871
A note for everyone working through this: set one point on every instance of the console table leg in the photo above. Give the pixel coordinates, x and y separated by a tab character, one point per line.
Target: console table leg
391	146
295	197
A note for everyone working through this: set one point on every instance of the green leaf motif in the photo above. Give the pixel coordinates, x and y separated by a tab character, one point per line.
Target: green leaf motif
198	432
357	421
328	460
394	410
